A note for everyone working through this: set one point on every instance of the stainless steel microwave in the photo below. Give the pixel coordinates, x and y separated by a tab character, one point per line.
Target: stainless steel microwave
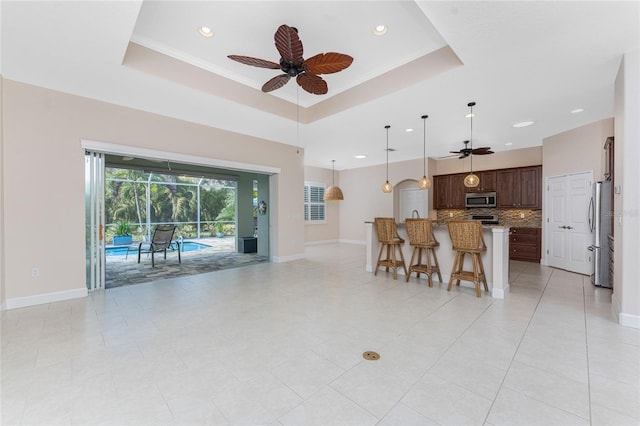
480	199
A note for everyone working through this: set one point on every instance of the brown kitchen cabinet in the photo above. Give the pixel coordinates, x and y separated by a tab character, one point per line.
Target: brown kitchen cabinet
449	191
609	164
519	187
525	244
487	182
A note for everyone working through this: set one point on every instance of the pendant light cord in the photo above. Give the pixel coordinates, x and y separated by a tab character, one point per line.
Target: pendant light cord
424	145
471	139
387	127
333	172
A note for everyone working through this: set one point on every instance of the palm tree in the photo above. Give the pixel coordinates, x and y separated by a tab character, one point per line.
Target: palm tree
123	197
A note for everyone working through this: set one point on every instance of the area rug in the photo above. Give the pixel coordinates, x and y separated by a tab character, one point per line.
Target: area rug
121	272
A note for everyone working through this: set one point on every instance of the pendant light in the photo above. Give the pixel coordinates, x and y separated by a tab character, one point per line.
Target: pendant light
387	187
425	182
471	180
333	193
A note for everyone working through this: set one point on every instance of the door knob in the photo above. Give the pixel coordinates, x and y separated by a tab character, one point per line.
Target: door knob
568	227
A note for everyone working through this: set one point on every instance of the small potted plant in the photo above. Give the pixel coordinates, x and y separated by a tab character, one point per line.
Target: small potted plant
123	234
219	230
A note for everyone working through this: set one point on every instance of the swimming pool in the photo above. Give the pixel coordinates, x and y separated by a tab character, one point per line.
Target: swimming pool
185	246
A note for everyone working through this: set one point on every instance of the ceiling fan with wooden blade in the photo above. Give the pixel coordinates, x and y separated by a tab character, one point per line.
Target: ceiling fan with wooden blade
292	64
466	151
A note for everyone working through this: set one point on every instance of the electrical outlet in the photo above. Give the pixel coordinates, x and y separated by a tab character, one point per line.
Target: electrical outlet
450	214
521	215
35	272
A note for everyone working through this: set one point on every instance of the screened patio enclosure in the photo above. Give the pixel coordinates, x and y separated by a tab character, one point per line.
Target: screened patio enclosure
203	202
199	206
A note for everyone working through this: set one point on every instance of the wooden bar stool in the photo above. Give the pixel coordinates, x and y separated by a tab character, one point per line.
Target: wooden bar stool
421	237
466	238
389	238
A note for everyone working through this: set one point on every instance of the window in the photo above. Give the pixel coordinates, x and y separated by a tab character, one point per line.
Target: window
313	202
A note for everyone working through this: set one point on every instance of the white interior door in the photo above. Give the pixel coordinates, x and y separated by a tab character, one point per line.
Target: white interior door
568	236
95	219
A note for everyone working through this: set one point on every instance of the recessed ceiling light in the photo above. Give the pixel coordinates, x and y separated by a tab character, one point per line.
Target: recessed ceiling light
360	156
577	110
380	30
206	31
509	143
408	130
524	124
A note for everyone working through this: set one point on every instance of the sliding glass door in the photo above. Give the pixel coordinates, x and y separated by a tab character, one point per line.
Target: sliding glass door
95	219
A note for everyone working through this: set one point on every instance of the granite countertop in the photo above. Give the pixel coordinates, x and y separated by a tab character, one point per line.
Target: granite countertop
444	224
503	225
498	226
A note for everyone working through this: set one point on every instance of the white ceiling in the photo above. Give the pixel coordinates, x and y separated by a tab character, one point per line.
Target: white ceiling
518	60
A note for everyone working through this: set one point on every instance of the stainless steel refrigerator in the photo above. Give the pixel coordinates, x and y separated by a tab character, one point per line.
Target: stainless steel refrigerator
599	215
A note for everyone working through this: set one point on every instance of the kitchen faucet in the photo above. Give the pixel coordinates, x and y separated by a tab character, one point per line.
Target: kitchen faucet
416	214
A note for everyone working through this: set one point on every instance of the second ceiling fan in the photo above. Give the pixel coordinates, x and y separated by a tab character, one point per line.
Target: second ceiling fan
466	151
292	64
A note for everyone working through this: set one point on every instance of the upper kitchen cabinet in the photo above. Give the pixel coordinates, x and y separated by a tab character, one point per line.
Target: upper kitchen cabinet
448	191
519	188
487	182
609	162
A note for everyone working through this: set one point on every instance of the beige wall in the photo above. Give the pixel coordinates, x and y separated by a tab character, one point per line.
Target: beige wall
363	196
43	184
626	294
328	231
577	150
2	239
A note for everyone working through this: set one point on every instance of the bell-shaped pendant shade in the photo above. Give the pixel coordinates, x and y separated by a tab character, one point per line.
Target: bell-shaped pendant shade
333	193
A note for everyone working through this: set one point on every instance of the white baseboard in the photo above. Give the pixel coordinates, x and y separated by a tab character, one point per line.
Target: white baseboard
40	299
628	320
500	293
625	320
355	242
320	242
341	241
282	259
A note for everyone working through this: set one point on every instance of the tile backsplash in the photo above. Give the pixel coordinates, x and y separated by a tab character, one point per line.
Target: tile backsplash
506	217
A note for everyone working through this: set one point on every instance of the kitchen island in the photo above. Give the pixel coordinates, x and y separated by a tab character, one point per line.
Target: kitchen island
495	259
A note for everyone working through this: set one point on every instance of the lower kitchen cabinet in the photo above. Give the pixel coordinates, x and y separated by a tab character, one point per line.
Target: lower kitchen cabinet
525	244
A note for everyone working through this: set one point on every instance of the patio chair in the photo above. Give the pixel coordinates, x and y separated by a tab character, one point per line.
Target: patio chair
161	241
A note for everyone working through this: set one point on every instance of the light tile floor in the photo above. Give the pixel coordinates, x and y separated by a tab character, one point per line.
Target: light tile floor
282	344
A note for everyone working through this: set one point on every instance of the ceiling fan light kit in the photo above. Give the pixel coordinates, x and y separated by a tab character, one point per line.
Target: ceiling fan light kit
333	193
471	180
